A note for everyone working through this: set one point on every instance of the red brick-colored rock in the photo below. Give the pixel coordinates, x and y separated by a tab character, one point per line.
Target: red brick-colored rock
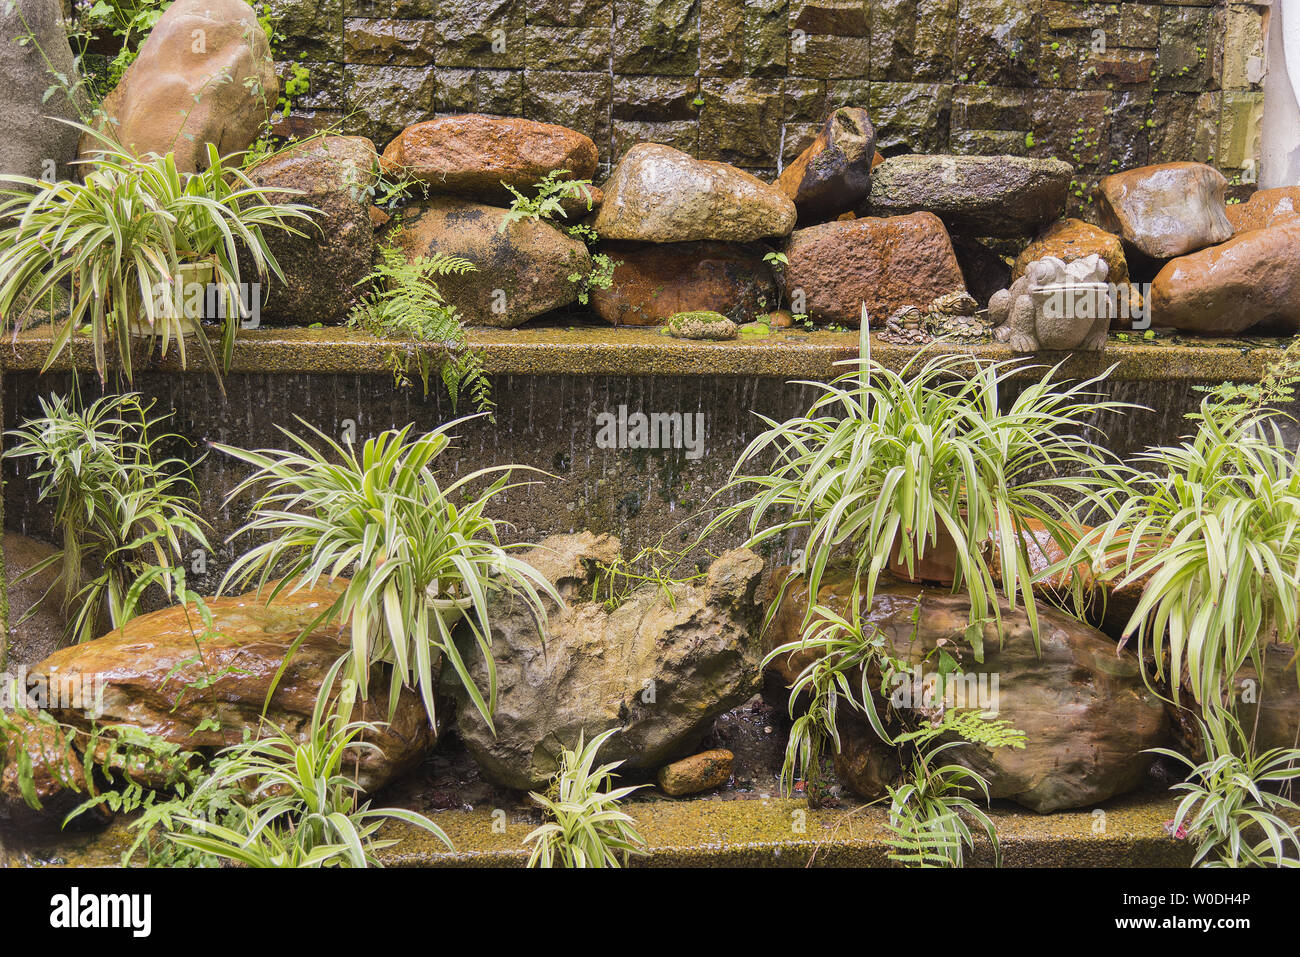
1228	288
885	262
655	281
1268	207
1167	210
471	155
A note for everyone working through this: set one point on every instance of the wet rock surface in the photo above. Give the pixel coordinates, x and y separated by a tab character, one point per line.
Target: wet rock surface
1085	710
653	281
202	689
34	137
1166	210
662	195
472	155
661	674
322	267
1071	239
833	174
976	195
704	325
53	776
175	98
1227	289
699	772
887	263
1268	207
521	271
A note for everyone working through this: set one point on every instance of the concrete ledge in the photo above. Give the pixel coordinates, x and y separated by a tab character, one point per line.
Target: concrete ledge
627	351
759	833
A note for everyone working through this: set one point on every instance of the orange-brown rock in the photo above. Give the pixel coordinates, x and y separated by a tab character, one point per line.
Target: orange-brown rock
699	772
1087	715
164	673
1268	207
1166	210
1226	289
1071	239
471	155
204	75
833	174
654	281
884	262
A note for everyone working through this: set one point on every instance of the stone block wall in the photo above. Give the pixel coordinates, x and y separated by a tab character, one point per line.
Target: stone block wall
1103	85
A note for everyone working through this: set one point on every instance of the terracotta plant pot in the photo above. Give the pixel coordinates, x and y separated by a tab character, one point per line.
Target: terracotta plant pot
938	565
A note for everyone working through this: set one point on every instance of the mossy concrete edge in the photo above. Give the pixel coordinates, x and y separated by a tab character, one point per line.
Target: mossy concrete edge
773	832
584	350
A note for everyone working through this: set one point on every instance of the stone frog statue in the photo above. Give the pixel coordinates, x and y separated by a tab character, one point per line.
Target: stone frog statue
1055	306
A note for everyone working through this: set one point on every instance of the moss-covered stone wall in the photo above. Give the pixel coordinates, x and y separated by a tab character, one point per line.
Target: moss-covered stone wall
1104	85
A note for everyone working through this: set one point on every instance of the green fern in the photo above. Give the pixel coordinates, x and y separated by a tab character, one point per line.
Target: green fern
552	191
976	727
405	303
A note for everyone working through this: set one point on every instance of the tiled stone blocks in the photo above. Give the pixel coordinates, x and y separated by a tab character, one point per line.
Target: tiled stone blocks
998	41
496	92
740	121
313	29
383	100
750	81
1185	47
657	36
912	40
909	117
579	101
482	34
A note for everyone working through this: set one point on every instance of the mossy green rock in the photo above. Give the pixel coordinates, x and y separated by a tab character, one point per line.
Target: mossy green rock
701	325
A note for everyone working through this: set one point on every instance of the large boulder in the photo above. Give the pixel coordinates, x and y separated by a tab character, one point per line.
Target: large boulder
472	155
654	281
886	263
833	174
1166	210
1269	710
1087	715
521	271
334	175
976	195
204	688
1226	289
661	195
659	667
1267	207
204	75
35	143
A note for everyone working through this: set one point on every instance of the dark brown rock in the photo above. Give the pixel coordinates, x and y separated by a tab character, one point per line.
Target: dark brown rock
1166	210
322	267
984	271
976	195
1226	289
1085	711
654	281
472	155
152	669
886	263
1268	207
57	780
522	271
32	634
833	174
